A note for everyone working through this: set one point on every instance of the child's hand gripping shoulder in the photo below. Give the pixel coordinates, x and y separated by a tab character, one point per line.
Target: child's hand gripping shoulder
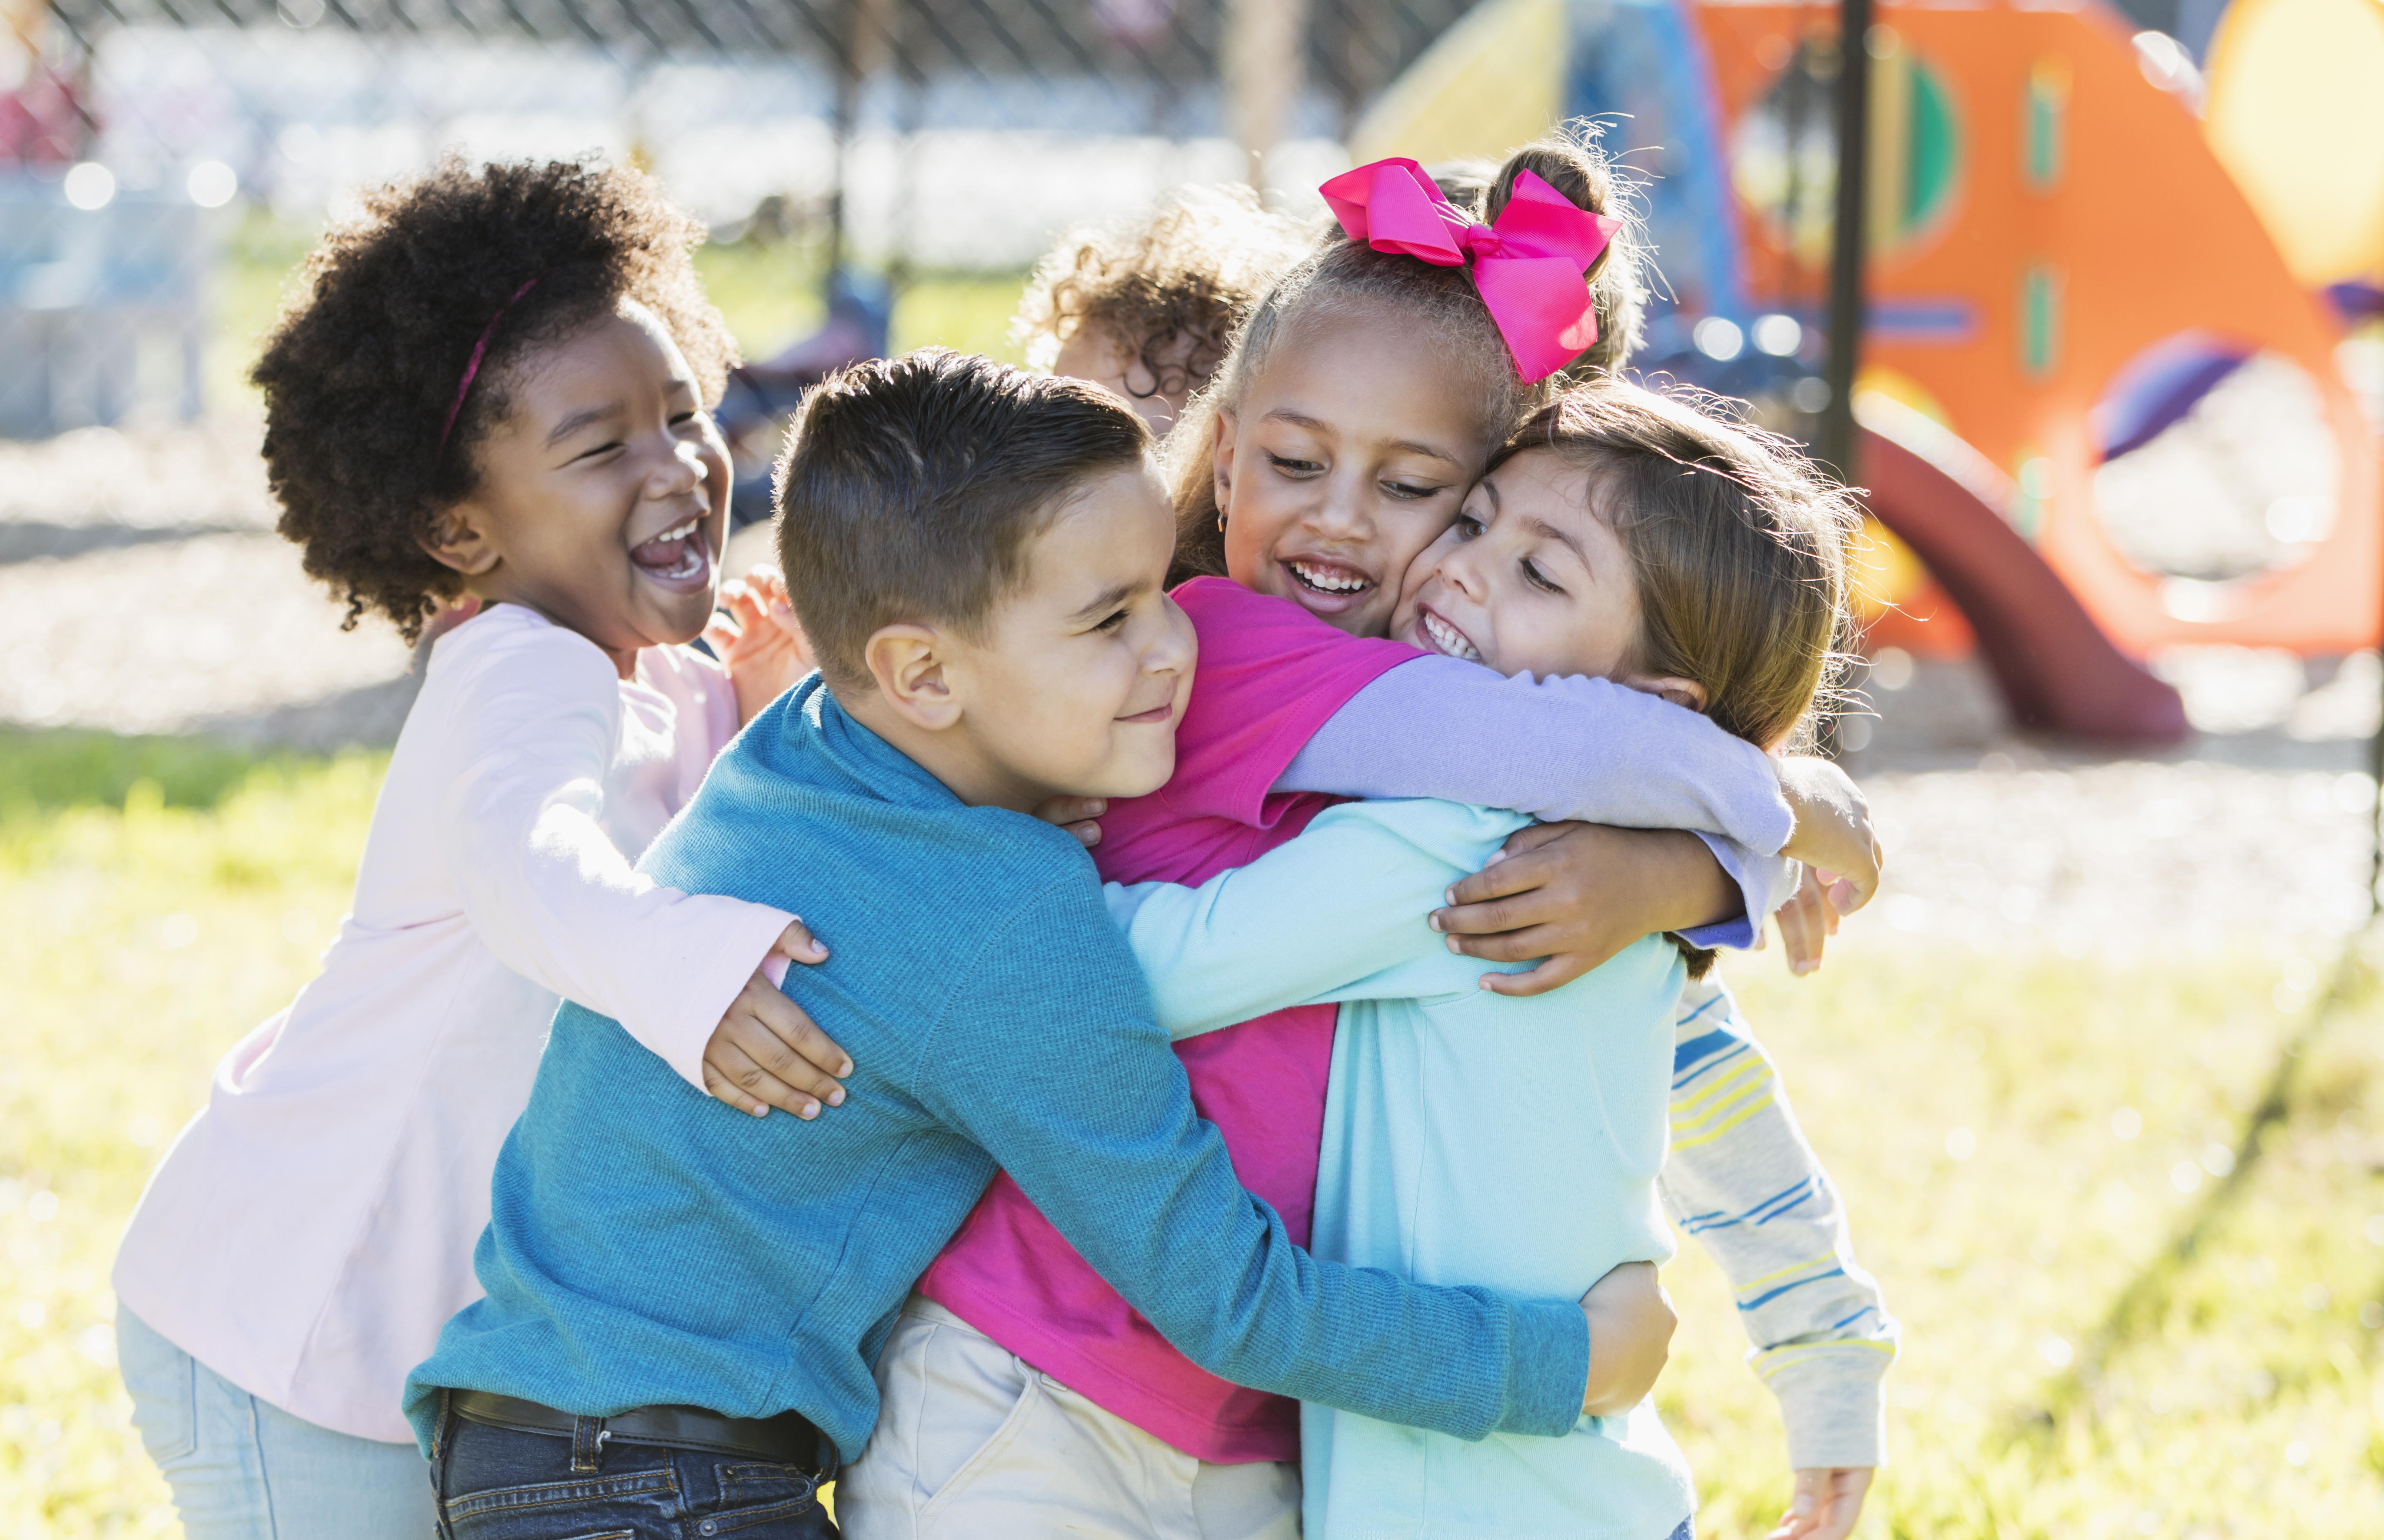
767	1052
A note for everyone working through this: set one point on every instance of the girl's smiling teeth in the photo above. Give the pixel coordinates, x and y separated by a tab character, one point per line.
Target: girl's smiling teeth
1445	638
679	557
1329	577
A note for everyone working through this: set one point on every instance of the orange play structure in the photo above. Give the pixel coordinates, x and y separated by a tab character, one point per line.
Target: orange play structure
2054	244
2099	411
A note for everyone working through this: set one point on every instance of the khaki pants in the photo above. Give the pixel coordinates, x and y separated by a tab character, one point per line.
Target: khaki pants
972	1444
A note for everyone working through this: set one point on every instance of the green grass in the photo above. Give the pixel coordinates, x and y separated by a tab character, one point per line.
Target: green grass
141	933
768	290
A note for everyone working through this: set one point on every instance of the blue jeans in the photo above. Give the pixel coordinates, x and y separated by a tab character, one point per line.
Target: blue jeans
244	1469
497	1484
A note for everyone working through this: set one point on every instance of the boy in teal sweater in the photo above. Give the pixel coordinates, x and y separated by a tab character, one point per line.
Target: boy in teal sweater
683	1303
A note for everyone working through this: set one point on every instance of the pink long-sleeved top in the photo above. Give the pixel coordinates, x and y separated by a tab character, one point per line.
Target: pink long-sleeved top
312	1228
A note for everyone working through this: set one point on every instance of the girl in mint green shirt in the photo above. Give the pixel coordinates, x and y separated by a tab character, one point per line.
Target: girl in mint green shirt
1514	1143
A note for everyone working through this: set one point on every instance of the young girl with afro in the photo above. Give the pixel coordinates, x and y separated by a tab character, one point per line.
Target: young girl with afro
491	395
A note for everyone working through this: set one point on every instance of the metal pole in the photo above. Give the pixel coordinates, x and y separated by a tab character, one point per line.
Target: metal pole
1837	426
1263	65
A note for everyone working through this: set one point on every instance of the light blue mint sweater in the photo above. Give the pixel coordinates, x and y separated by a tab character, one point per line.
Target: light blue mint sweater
1469	1138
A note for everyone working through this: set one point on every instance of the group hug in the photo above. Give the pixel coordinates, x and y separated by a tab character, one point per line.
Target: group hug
1153	977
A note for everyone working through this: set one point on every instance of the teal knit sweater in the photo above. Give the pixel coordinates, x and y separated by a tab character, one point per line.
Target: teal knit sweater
648	1244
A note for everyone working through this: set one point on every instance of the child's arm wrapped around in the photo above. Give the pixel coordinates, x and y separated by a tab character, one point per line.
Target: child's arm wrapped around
548	890
1742	1178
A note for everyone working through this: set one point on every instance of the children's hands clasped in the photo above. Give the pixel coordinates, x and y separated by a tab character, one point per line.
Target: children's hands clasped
767	1053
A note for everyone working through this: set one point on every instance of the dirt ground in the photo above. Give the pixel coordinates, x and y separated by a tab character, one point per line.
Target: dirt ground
142	591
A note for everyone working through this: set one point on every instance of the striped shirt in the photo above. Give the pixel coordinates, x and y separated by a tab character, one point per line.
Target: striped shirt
1741	1180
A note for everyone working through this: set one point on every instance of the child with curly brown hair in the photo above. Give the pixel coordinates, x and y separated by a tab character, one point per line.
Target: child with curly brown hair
491	389
1147	310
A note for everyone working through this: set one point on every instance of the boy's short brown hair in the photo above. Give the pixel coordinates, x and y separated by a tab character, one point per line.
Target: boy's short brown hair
909	489
1170	291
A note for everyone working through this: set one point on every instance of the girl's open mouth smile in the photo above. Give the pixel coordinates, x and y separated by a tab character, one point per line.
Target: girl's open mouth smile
678	559
1327	587
1443	637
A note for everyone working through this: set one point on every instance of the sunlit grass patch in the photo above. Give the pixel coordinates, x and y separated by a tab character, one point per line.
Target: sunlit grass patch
2015	1135
139	940
2019	1140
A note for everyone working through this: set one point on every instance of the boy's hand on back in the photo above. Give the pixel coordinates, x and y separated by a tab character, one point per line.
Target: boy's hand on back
766	1052
1631	1323
1578	893
1833	834
1826	1504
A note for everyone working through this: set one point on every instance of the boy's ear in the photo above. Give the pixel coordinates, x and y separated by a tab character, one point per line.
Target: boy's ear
1224	457
458	539
907	661
1680	692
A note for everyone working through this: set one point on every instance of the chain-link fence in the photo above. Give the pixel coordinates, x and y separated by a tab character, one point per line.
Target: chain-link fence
139	138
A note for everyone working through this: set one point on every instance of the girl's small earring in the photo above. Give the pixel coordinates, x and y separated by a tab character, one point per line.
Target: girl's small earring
1221	522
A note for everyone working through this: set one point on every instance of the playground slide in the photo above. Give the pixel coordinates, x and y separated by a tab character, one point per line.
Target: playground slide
2057	671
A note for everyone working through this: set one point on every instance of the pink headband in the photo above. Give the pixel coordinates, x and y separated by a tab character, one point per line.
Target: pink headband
472	368
1530	264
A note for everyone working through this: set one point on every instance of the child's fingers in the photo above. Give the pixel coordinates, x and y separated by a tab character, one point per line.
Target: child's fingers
1524	943
788	1043
798	944
1503	878
1804	1508
1530	837
1072	810
1842	1509
731	1075
1560	969
725	1089
1801	932
1491	917
1087	832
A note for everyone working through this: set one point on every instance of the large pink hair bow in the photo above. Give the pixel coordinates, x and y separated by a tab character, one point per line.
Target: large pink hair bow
1530	264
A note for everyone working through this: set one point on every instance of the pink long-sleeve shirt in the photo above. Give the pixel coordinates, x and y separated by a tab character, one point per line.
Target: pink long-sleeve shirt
312	1228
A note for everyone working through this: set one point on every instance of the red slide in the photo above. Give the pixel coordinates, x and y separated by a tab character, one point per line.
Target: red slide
2057	671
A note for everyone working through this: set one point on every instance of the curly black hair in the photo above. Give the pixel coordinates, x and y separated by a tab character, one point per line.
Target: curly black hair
361	371
1172	290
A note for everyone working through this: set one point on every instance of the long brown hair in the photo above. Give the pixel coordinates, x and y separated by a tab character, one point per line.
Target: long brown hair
1739	548
1344	276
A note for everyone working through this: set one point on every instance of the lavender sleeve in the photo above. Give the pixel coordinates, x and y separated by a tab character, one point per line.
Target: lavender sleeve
1560	748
